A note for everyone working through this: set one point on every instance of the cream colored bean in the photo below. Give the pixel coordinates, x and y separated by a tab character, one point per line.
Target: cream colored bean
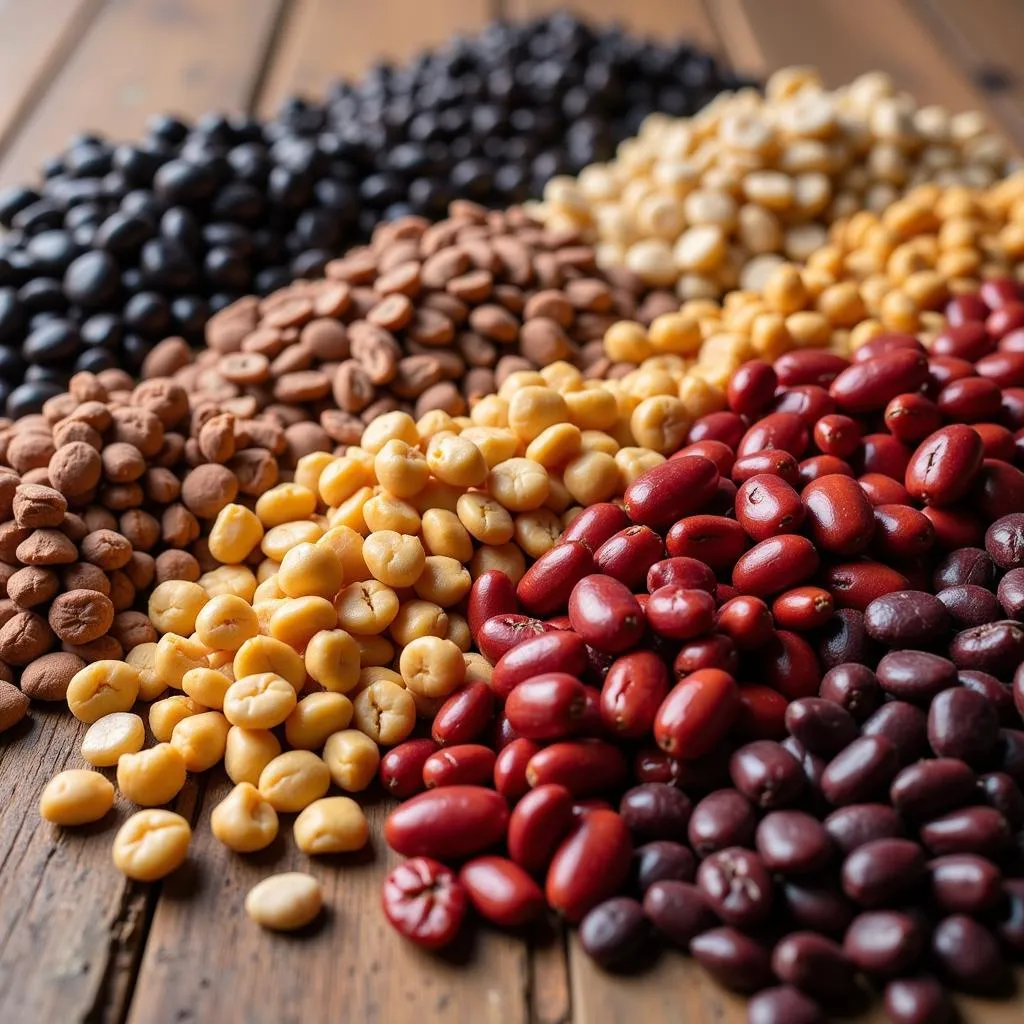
151	777
385	712
335	824
201	740
297	620
264	654
102	688
151	844
235	534
247	752
174	605
259	701
366	608
309	570
457	461
111	736
165	714
443	534
76	797
418	618
432	667
483	517
244	821
176	655
395	559
443	581
352	759
285	902
520	485
314	719
294	779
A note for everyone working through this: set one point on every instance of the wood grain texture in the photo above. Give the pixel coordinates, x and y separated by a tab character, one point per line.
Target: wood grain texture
141	57
206	961
35	37
325	40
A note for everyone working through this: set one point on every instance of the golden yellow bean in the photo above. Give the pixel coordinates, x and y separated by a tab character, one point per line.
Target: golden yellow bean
285	902
165	714
395	559
432	667
366	608
76	797
293	780
226	622
248	752
335	824
352	758
201	740
443	534
244	821
174	605
101	688
152	777
265	654
315	717
259	701
285	503
309	570
385	712
297	620
235	534
332	660
151	844
443	581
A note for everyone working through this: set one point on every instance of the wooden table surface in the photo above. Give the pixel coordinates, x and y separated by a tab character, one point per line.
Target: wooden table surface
79	944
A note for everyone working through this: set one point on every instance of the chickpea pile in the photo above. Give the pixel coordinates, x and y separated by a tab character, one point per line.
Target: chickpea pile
716	201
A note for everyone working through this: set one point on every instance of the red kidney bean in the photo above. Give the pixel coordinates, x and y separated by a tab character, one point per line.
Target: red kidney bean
547	706
856	584
594	525
751	388
714	540
970	400
697	714
605	614
678	910
717	451
954	528
1004	369
785	431
901	532
944	369
680	614
912	417
809	366
401	768
747	621
823	727
839	514
538	823
998	292
853	687
559	622
945	465
783	1004
584	767
882	453
733	959
737	886
503	734
884	343
963	724
792	667
547	584
774	565
767	506
883	490
883	872
502	632
863	770
614	932
823	465
1013	408
656	810
633	690
968	954
1008	316
815	965
660	861
689	573
809	401
464	715
501	891
964	308
802	608
653	765
967	830
762	713
965	883
792	842
467	764
968	341
556	651
722	819
673	489
448	823
713	651
884	943
837	435
996	648
589	865
724	426
927	788
869	385
770	462
856	824
997	441
424	902
493	593
628	554
767	774
817	904
510	768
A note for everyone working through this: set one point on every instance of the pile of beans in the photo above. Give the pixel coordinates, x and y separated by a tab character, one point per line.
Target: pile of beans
716	201
121	244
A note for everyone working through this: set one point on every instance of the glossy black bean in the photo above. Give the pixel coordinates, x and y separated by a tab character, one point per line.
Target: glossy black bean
907	619
965	883
821	726
723	818
968	954
857	824
678	911
915	676
861	771
980	830
656	810
662	860
884	943
853	687
904	725
614	933
884	872
926	788
969	605
767	774
733	959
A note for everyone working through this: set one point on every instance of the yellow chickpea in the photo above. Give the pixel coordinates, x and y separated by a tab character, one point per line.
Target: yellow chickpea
226	622
395	559
76	797
437	494
259	701
627	342
458	632
385	712
366	608
235	534
152	777
201	740
175	655
352	759
485	519
244	821
536	532
174	605
592	477
165	714
102	688
507	558
375	650
295	621
478	669
279	540
265	654
443	581
594	408
151	844
385	512
285	503
432	667
335	824
661	423
206	686
531	410
315	717
456	461
495	444
390	425
634	462
401	468
142	658
247	752
230	579
347	546
556	445
443	534
520	485
343	478
418	618
309	570
676	333
293	780
490	411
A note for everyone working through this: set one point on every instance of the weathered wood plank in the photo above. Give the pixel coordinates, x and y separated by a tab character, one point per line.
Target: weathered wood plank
142	57
325	40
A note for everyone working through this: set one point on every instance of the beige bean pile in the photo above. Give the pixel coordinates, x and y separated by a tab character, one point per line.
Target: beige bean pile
714	202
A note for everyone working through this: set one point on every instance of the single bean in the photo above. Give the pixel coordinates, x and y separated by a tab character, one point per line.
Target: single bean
817	905
856	824
793	842
614	932
767	774
676	488
737	886
510	768
980	830
944	466
815	965
918	1001
663	860
962	724
853	687
501	891
585	767
903	725
927	788
767	506
733	959
907	618
883	872
607	616
915	676
884	943
678	910
697	713
860	771
722	819
783	1005
453	822
968	954
557	651
714	540
629	554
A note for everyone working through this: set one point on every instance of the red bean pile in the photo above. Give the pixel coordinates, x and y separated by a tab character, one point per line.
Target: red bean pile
826	752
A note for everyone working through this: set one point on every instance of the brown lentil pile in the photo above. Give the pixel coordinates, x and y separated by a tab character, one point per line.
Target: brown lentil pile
716	201
424	318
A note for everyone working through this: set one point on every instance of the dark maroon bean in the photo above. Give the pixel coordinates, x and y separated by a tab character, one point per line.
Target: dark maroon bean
816	903
857	824
970	605
967	830
901	532
1000	791
1011	754
904	725
918	1001
962	724
915	676
996	648
821	725
998	694
927	788
733	959
863	770
883	872
1004	541
678	910
783	1005
791	666
614	932
737	886
853	687
1010	597
968	954
689	573
655	810
815	965
999	488
767	774
722	819
965	565
907	618
628	554
714	651
1010	926
661	861
812	766
747	621
844	640
792	842
965	883
884	943
945	465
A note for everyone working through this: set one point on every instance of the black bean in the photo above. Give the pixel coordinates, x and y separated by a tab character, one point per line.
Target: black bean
662	860
1000	791
968	954
907	618
1010	595
844	640
656	810
678	910
614	932
884	943
722	819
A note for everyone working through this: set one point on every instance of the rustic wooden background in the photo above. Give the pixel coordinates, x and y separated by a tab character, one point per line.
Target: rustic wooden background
76	942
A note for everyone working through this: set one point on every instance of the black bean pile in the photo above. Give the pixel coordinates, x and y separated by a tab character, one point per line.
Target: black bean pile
122	245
